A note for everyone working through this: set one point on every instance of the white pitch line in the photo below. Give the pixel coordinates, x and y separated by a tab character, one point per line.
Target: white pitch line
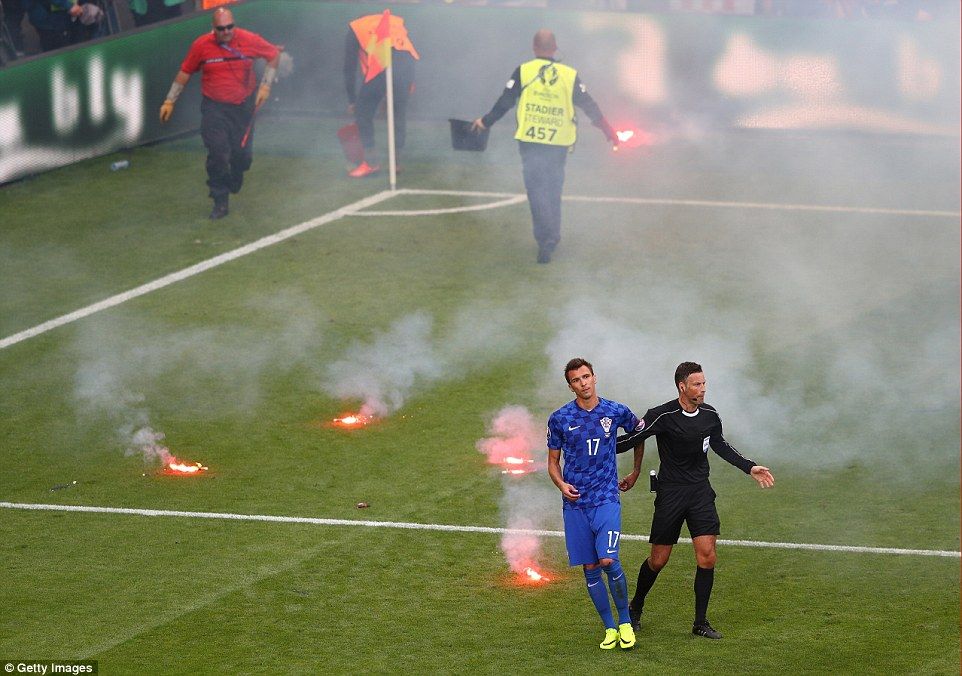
454	528
708	203
516	199
196	269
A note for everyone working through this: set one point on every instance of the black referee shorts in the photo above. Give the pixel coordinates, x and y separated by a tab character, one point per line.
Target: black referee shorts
674	505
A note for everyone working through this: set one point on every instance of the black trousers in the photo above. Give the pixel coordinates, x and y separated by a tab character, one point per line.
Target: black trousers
544	177
13	13
222	127
371	93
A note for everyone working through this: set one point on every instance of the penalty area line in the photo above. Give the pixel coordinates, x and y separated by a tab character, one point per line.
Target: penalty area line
197	268
665	201
455	528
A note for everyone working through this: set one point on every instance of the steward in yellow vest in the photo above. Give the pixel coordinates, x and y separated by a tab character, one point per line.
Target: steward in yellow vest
546	112
546	93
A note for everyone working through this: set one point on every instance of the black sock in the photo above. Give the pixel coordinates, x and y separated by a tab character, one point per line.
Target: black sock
704	577
646	578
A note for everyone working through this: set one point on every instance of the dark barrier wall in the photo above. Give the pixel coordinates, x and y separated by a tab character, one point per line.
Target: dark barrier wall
713	71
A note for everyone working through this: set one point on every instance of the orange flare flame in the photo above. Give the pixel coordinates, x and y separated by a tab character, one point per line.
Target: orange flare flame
182	468
531	575
353	420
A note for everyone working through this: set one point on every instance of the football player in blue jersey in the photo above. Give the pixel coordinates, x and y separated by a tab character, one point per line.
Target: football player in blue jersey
585	431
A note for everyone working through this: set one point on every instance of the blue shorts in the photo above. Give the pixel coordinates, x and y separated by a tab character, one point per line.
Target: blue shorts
592	533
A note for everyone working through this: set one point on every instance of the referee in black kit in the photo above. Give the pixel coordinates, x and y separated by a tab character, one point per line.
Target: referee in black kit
685	428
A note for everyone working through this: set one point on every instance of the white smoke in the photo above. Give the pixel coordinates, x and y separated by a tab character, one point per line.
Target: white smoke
413	354
146	441
807	385
529	501
128	365
514	433
385	370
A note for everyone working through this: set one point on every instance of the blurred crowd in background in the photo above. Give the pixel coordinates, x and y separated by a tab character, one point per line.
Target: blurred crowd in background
29	27
32	26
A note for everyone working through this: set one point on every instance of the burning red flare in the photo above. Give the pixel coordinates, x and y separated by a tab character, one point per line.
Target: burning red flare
352	420
511	463
531	576
632	137
179	468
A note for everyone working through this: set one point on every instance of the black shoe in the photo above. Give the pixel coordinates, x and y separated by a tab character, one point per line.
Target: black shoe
220	208
544	252
706	630
635	616
235	183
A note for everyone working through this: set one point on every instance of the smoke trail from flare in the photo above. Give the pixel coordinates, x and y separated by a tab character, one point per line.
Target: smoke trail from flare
384	371
146	440
410	355
513	433
529	502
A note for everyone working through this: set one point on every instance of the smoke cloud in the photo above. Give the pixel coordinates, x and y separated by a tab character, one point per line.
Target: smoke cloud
413	354
383	371
529	502
127	365
146	440
515	442
513	433
822	370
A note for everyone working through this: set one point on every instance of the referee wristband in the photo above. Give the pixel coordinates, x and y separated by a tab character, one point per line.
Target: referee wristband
175	89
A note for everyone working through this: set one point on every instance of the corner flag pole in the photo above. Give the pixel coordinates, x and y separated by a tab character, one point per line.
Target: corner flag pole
391	153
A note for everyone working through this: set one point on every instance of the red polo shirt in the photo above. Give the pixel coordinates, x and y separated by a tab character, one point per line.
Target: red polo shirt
227	70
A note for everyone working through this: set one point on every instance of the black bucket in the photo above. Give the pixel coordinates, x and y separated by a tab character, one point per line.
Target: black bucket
463	138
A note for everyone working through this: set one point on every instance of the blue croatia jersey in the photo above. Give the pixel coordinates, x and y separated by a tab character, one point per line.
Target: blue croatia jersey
586	440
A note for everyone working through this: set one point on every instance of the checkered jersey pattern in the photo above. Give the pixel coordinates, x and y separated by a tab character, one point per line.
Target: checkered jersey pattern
586	440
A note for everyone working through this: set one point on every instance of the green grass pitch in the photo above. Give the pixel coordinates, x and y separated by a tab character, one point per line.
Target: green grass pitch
830	341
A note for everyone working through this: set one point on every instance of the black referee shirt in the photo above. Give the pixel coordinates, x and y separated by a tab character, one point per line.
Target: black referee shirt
683	442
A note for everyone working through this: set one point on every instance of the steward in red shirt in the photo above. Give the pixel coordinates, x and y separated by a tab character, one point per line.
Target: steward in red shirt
225	57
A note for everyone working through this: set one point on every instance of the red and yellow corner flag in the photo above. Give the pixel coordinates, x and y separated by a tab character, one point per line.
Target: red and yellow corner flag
379	48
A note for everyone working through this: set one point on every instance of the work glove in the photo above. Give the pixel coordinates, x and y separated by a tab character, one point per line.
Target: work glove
166	110
263	93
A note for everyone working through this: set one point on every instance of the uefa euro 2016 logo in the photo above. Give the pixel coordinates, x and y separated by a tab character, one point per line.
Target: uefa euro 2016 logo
549	76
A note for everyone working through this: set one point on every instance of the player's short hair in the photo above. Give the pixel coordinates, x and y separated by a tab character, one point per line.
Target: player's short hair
685	369
576	364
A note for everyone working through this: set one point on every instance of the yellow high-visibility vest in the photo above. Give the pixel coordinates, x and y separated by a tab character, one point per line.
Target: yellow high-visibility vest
546	112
